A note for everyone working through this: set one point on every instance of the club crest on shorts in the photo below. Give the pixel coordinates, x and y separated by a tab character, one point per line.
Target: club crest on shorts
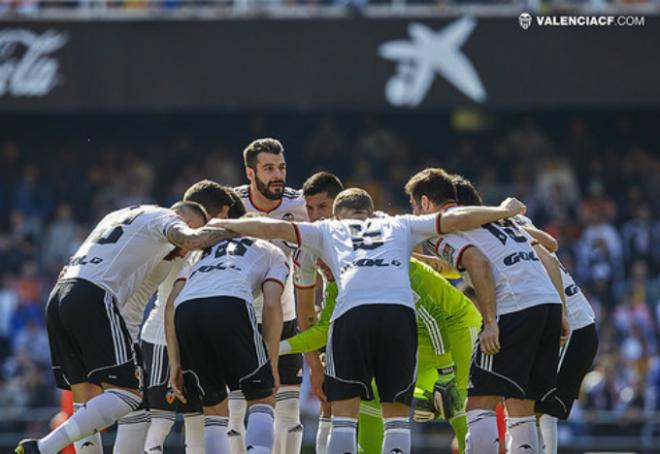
448	253
169	396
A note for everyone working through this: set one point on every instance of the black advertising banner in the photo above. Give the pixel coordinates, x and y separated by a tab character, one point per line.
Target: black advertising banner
324	64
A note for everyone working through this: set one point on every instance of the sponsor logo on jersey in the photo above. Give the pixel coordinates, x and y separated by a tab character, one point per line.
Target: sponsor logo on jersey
370	263
82	260
572	290
520	256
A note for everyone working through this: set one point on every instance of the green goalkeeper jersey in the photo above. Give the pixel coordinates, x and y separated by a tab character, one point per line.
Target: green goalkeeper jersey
439	306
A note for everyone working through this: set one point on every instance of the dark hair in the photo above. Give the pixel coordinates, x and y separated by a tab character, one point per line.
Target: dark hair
267	145
190	207
353	199
436	184
237	208
211	195
466	193
323	182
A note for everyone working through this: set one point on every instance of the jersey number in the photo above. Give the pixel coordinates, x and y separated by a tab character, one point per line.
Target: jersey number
508	230
231	247
112	234
367	240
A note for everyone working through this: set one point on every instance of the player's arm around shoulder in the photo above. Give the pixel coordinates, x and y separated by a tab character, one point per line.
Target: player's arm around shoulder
473	217
181	235
259	227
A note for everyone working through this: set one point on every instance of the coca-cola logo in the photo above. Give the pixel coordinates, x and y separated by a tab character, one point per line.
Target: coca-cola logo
27	67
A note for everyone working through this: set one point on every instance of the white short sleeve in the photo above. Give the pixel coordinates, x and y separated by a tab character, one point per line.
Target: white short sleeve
310	235
163	222
304	273
422	227
450	247
278	267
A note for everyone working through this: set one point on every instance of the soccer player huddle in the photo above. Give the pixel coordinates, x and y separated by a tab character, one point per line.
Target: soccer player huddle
235	274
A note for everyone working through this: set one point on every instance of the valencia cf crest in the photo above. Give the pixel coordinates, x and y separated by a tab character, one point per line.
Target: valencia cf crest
169	396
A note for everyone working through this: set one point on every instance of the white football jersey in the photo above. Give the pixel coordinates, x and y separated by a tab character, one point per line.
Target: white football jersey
123	249
521	280
153	330
291	208
236	267
580	312
369	259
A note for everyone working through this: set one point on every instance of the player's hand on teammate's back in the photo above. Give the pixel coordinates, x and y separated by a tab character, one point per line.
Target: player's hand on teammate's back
514	206
565	330
490	339
176	382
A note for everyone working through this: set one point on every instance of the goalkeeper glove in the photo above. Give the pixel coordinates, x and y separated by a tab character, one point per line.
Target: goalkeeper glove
424	408
446	398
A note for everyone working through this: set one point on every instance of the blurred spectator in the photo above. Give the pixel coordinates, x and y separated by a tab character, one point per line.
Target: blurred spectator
59	241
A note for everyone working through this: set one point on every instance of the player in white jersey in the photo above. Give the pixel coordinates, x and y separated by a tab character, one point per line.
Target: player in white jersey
268	194
212	336
518	349
575	357
90	344
219	202
373	332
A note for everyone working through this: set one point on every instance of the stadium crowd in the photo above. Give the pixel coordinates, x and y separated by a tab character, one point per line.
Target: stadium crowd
593	183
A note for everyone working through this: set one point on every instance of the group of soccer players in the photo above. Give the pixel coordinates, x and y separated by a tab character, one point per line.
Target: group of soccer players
235	274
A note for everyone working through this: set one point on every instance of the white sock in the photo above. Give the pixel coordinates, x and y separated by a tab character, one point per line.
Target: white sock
342	436
548	425
397	437
322	434
100	412
524	439
215	435
88	445
288	430
259	436
194	428
237	411
160	427
132	432
482	436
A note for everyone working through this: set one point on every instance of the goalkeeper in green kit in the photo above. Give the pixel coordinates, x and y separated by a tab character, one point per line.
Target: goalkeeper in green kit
447	324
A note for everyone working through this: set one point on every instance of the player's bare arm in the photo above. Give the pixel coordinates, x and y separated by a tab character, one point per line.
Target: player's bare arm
553	268
547	240
439	265
173	353
305	310
196	239
265	228
473	217
273	320
478	266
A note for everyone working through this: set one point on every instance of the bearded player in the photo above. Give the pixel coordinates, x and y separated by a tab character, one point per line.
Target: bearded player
267	194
